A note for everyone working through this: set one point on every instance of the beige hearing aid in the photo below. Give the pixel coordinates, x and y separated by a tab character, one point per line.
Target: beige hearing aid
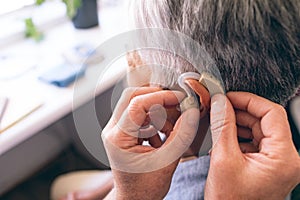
204	85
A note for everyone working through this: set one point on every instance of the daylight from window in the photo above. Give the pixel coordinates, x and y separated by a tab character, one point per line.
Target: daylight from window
13	5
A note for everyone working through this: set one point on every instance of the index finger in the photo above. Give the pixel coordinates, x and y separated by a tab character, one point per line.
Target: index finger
140	105
125	99
273	117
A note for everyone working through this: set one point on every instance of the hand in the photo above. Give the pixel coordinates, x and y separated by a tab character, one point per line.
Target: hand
92	194
269	168
145	172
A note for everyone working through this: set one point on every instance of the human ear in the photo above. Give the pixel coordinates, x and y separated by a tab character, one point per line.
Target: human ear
138	73
133	59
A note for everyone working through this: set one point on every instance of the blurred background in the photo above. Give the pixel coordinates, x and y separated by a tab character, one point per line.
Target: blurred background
44	46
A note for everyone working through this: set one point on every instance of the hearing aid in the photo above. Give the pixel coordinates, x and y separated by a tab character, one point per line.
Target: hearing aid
204	85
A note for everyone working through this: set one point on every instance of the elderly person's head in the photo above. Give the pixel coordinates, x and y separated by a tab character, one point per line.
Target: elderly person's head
255	44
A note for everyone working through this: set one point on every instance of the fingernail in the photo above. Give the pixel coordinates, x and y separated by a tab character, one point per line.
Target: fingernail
218	103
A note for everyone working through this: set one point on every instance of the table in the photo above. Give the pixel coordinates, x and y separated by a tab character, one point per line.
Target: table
29	86
28	145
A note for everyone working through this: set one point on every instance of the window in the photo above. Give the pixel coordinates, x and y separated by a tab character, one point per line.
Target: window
14	12
13	5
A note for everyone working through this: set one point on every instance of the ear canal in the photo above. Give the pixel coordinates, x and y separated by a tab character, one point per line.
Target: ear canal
203	94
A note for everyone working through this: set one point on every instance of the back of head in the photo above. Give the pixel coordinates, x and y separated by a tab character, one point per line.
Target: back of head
254	43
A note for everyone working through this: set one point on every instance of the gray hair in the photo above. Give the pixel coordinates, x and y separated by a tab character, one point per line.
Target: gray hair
255	44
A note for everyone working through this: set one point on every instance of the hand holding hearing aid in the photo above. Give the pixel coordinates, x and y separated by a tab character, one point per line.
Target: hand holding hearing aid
143	112
269	169
138	116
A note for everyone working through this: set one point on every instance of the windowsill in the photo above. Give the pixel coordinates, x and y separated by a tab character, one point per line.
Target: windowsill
45	17
59	36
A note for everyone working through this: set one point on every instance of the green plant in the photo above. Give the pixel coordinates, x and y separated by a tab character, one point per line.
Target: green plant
39	2
31	31
72	6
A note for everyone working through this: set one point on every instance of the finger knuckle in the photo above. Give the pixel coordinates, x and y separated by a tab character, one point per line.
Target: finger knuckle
105	135
105	139
280	109
218	124
135	108
128	91
136	102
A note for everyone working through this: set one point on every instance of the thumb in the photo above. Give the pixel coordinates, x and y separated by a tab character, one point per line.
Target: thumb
223	126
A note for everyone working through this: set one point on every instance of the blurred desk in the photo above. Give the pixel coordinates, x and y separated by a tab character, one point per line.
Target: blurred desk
29	145
57	102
